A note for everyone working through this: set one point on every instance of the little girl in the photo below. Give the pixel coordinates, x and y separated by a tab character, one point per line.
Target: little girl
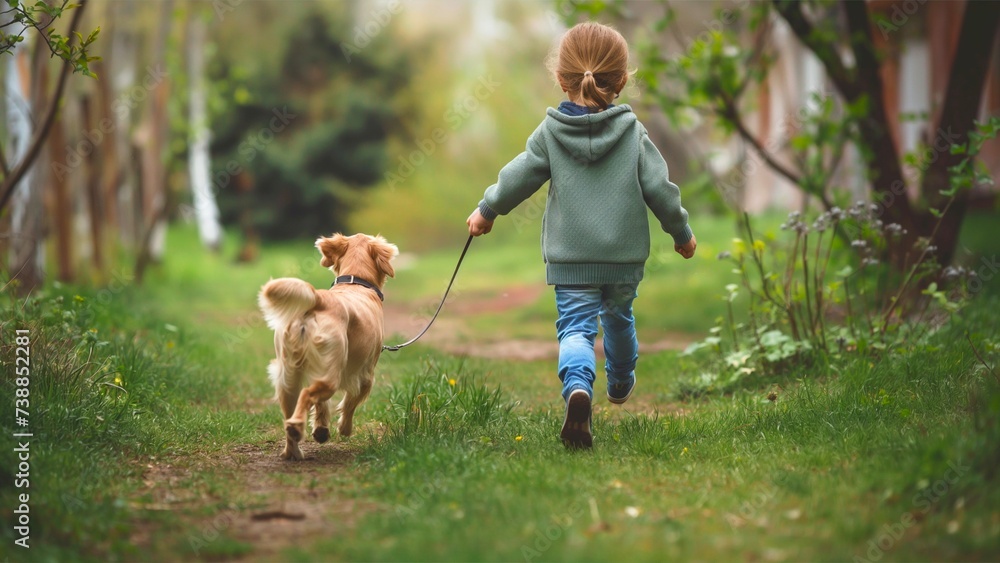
604	173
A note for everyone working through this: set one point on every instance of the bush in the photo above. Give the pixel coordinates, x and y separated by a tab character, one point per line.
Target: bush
815	297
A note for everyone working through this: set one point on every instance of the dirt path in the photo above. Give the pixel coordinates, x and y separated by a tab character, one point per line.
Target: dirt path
272	504
451	332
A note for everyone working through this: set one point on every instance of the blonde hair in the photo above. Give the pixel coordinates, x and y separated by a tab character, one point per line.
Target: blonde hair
592	64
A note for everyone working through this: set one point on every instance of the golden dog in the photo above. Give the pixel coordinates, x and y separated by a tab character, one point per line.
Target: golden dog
329	339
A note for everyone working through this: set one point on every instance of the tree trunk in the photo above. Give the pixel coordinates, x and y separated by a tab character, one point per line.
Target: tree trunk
959	111
882	157
93	172
120	106
863	81
26	203
206	210
154	185
110	169
61	202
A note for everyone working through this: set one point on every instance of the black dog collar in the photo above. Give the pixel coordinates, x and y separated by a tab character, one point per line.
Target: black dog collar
352	280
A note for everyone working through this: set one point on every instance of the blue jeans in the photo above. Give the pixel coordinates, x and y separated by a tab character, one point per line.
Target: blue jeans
579	307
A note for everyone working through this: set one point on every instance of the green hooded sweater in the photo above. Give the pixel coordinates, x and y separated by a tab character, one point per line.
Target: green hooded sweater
604	173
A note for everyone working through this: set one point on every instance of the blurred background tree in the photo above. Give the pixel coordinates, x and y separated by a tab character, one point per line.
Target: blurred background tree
378	116
30	27
306	135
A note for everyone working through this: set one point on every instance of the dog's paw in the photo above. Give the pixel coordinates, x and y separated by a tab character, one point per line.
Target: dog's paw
292	453
345	429
321	434
294	430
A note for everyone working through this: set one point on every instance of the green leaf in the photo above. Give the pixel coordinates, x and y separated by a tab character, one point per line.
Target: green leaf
801	142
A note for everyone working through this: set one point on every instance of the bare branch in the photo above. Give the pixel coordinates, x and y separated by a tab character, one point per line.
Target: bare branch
4	168
731	114
34	148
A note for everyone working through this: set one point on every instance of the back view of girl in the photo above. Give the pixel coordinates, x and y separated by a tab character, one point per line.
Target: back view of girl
604	172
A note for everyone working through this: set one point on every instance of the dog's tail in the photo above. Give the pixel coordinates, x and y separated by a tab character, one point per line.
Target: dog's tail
284	300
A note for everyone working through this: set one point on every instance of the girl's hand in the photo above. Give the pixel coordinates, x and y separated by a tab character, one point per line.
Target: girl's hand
687	249
478	225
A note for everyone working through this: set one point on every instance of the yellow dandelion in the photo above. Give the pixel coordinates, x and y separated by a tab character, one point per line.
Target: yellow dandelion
758	245
518	438
118	380
452	382
170	344
684	451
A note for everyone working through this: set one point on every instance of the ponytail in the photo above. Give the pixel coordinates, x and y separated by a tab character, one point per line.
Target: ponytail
594	96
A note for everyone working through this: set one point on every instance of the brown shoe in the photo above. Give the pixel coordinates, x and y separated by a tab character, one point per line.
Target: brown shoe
576	428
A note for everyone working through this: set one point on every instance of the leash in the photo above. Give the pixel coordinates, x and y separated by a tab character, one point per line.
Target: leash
397	347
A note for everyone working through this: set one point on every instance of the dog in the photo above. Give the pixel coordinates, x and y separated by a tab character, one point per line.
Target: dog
327	339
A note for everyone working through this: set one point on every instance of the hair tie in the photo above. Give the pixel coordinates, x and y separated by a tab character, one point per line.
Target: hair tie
588	73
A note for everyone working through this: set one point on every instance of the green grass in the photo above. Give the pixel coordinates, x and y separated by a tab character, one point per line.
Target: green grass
107	388
811	476
458	458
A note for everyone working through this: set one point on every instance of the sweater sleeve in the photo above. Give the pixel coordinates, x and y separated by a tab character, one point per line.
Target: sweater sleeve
518	180
661	195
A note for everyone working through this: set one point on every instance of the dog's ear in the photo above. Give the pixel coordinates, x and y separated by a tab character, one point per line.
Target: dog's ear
332	249
383	253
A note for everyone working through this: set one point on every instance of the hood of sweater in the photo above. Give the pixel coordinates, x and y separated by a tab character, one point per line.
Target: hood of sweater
589	137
